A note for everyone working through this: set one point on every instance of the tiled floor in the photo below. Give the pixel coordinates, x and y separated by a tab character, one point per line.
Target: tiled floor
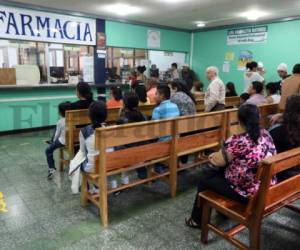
44	214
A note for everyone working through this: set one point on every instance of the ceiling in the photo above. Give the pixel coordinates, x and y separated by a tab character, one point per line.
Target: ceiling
180	14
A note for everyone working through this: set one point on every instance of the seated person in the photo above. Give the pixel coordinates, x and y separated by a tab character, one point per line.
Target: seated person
197	90
141	93
151	90
98	115
255	92
85	96
183	98
129	114
272	91
165	110
244	97
286	135
115	98
230	90
58	140
239	160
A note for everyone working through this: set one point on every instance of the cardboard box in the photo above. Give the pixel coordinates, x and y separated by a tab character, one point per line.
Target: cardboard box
8	76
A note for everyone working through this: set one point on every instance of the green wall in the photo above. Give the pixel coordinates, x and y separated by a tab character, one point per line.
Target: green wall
283	45
31	108
135	36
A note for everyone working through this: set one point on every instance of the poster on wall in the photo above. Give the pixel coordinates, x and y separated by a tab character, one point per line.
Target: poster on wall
257	34
244	57
229	56
101	41
226	67
153	39
88	68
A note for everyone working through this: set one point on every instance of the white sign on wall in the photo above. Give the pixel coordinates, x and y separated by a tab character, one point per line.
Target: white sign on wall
247	35
23	24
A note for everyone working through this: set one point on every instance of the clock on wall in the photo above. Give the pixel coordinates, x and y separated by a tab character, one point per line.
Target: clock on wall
153	39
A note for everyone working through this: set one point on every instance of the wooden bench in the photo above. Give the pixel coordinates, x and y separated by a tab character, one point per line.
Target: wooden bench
194	134
128	159
78	118
268	200
75	119
210	131
230	102
190	134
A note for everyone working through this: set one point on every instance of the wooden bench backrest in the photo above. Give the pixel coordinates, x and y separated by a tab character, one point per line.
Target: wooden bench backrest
265	111
232	102
77	118
74	119
115	136
208	129
200	105
268	197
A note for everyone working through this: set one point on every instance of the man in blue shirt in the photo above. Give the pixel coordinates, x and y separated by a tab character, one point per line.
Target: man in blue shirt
165	110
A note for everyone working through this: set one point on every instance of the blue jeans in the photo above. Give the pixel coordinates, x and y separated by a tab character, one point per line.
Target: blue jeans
49	153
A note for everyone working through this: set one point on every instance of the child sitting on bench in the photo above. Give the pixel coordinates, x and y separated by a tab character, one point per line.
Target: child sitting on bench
58	139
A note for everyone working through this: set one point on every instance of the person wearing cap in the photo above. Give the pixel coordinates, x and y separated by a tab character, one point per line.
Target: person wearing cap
261	69
214	99
188	76
282	71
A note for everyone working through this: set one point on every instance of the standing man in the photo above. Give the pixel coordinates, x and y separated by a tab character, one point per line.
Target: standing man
215	95
290	86
174	72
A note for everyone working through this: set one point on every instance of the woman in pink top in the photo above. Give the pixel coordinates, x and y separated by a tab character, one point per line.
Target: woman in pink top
236	165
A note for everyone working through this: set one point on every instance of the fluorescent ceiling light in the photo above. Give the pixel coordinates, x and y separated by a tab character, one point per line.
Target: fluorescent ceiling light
253	15
200	24
122	9
173	1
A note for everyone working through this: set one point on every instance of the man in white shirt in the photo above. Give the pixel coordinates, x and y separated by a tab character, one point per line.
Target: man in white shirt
215	95
252	75
174	71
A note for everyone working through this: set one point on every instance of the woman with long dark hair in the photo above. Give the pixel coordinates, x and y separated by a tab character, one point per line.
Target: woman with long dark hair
140	74
115	99
141	93
230	90
236	164
183	98
286	136
129	114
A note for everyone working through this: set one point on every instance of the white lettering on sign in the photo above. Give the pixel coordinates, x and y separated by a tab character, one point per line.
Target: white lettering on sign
247	35
32	25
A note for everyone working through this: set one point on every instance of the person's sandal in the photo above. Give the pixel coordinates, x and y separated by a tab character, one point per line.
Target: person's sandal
192	224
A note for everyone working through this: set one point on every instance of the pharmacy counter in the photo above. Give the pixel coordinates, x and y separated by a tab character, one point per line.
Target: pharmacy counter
29	107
